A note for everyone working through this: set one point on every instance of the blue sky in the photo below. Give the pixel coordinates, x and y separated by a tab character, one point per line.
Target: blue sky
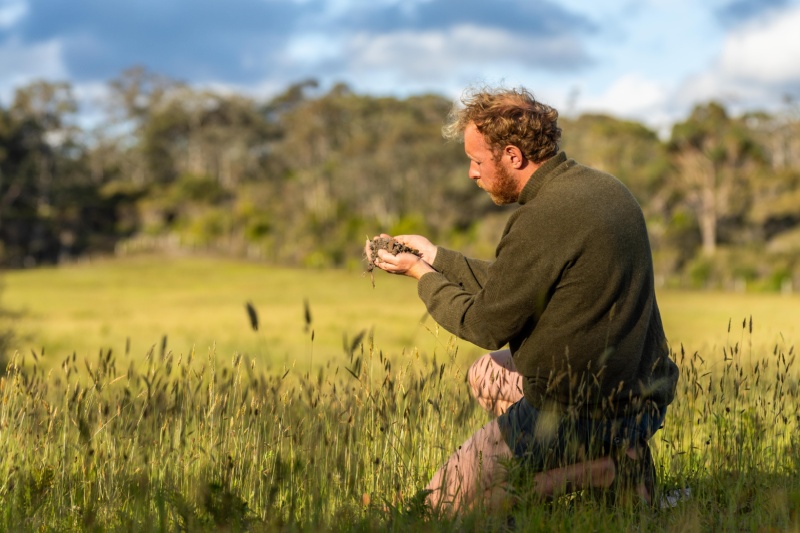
648	60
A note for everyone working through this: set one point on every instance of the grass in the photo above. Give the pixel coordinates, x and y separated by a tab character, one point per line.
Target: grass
199	304
206	441
699	320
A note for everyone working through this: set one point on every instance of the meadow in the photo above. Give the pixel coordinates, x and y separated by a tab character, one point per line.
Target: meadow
141	398
198	304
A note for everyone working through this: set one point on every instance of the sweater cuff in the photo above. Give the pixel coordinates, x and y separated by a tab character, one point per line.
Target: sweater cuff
428	284
445	259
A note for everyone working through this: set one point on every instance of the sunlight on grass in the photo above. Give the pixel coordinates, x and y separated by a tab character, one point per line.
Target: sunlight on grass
256	436
200	303
207	444
700	319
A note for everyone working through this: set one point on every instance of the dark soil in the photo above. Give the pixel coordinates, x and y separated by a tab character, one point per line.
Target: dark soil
390	245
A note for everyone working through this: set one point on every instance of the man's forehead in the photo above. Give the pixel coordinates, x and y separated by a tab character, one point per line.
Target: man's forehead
473	139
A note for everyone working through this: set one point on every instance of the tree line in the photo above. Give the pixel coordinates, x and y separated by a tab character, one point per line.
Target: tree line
304	177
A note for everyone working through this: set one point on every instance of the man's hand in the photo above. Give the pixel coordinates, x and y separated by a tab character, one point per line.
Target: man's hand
418	242
405	263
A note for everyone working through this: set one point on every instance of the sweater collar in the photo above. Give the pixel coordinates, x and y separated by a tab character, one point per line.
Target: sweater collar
543	174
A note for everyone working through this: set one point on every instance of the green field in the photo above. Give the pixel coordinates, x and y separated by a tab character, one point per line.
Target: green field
199	304
179	440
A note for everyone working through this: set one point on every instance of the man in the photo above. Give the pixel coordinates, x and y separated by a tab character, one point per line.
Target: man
587	377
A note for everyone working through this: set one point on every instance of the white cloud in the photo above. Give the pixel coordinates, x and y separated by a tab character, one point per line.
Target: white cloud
22	64
633	97
436	54
765	51
12	12
758	63
629	95
311	49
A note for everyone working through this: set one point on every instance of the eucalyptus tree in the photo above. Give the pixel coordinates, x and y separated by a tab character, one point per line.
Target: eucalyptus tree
713	156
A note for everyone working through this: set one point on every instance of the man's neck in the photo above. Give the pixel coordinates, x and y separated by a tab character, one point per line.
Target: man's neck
526	173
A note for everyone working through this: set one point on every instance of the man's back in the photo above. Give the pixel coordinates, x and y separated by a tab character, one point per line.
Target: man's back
596	322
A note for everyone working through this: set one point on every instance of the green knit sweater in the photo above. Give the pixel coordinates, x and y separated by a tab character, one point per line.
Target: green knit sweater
570	291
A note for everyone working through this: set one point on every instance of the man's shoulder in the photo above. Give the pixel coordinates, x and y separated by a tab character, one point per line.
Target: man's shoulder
573	167
574	175
577	193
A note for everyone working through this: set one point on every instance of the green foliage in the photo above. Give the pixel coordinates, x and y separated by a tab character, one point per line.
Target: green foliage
205	227
743	269
778	208
209	445
413	224
682	234
699	272
714	156
309	173
196	188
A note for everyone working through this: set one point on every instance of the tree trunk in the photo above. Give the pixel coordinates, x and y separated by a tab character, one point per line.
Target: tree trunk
700	176
708	215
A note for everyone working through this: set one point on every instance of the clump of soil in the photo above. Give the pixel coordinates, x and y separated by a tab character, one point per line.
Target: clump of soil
392	246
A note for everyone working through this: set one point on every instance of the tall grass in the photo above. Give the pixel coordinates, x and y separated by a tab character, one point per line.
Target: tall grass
169	443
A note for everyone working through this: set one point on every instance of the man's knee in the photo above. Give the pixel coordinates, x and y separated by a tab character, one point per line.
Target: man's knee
478	374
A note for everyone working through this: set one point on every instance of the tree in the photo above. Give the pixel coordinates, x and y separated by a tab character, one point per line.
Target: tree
351	164
712	154
776	189
780	133
41	158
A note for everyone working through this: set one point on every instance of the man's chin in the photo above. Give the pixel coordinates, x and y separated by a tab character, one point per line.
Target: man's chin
502	200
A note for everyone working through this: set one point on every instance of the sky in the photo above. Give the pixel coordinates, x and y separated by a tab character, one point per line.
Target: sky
645	60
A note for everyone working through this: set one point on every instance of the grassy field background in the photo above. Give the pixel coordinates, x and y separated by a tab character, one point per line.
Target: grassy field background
199	304
172	442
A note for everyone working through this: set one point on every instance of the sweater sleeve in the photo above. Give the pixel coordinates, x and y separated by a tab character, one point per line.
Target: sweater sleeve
511	291
469	273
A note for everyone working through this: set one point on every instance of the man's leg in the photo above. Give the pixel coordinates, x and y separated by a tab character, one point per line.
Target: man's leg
596	473
495	382
474	474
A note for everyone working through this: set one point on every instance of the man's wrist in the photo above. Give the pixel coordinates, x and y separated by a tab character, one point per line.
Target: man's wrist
435	251
420	269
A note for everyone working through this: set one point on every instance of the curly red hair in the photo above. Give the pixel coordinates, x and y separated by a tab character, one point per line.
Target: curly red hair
508	117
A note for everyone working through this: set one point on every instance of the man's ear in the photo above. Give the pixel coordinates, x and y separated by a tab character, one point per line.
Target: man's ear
514	156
